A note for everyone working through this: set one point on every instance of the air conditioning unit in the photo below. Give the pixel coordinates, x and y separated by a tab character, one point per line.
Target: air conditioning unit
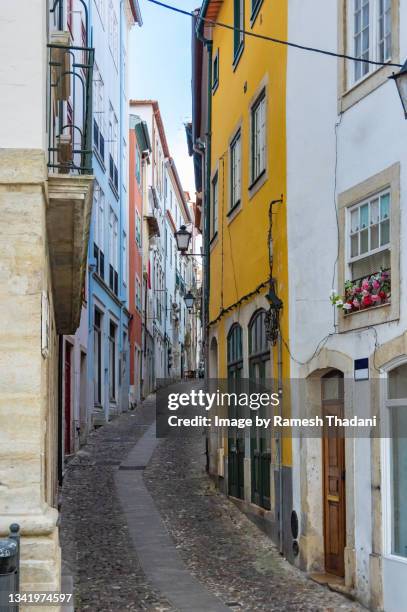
221	465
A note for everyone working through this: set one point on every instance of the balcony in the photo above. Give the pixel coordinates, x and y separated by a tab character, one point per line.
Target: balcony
70	179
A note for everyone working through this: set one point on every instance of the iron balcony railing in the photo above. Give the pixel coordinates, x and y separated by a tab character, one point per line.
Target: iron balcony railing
69	107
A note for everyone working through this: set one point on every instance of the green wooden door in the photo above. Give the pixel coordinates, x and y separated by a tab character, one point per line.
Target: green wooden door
260	440
236	444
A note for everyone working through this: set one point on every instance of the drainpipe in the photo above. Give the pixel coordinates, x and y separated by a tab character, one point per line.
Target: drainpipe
207	191
280	441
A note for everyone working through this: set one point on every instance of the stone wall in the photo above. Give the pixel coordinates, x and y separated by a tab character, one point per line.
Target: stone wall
28	374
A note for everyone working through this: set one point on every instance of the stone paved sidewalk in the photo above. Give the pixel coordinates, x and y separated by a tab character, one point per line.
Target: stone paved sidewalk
225	552
220	545
95	541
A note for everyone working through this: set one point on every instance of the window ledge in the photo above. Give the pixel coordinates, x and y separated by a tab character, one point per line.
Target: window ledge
256	11
237	56
257	183
234	211
213	242
374	315
114	190
362	88
99	159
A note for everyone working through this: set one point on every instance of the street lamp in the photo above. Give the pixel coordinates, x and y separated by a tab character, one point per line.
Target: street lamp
183	238
189	300
401	82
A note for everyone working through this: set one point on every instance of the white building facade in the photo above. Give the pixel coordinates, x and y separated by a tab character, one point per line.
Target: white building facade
347	227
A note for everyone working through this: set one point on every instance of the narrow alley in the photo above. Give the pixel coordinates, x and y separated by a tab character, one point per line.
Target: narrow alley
216	556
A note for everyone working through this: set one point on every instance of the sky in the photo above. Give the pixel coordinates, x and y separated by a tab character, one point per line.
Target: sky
160	56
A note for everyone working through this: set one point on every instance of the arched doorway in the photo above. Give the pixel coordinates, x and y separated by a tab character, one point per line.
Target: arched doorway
235	436
213	359
260	440
333	462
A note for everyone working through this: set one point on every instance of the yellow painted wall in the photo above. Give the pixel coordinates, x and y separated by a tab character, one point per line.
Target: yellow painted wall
239	254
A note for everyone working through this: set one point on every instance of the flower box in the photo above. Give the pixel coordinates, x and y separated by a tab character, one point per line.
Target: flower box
364	293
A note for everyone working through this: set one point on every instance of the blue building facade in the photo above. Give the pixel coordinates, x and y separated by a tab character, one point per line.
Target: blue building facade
108	315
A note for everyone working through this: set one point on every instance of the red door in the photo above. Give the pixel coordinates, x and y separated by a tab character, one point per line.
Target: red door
68	425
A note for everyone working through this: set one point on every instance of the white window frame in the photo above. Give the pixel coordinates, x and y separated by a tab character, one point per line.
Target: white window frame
113	240
100	5
113	34
236	170
386	458
125	262
214	205
358	206
258	120
99	233
359	70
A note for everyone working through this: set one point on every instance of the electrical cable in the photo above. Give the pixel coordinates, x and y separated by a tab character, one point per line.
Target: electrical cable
278	41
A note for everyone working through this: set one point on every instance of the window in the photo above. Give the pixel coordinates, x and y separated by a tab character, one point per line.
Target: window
99	230
235	352
100	5
138	294
397	413
238	35
214	218
138	229
361	36
256	4
372	35
113	33
369	239
97	348
138	166
69	16
112	360
124	258
215	69
113	252
384	34
98	113
125	168
258	135
235	171
113	147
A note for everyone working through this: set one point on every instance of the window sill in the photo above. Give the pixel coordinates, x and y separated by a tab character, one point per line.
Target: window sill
213	242
255	12
257	183
365	86
114	190
237	56
234	211
374	315
99	159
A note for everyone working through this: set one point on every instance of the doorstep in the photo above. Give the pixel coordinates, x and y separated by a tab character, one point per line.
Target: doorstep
334	583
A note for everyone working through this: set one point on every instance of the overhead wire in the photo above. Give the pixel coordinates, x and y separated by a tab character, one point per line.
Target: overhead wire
278	41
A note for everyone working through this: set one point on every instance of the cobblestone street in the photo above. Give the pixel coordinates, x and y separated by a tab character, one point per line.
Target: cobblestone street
234	562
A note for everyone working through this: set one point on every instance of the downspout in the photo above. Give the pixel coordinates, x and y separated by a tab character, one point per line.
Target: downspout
207	208
280	441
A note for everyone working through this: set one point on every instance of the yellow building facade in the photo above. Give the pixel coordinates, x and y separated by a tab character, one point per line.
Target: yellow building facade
248	242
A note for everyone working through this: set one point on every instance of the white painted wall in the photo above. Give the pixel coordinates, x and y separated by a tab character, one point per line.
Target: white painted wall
371	136
23	73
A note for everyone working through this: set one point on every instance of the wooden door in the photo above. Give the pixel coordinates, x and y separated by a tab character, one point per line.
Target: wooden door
67	408
334	481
